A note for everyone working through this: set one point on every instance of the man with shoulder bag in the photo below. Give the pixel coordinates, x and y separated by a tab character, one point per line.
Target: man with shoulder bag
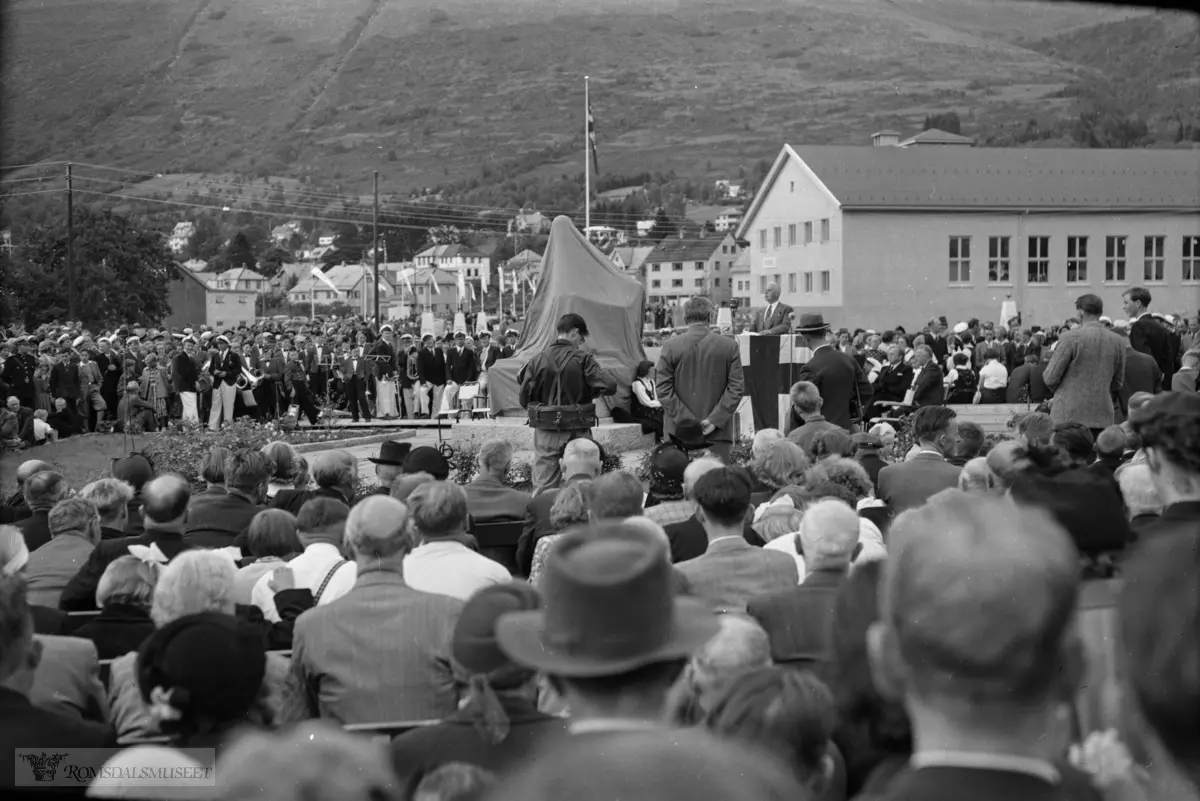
558	387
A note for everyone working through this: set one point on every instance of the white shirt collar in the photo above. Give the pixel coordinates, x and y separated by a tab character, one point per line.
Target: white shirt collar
1039	768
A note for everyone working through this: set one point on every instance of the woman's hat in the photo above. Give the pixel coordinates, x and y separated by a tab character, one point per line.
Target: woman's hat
689	436
392	453
667	464
427	459
610	609
811	322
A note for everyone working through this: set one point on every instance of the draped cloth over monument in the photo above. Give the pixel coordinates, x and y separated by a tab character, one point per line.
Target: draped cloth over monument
576	277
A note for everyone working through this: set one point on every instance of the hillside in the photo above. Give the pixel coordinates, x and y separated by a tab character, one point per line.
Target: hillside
482	91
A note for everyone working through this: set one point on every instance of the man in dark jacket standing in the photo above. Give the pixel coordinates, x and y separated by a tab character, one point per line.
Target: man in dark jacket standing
563	379
183	379
18	373
64	379
226	368
1148	335
845	390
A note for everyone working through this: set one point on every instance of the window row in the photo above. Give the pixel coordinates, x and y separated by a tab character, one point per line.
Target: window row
1116	260
677	283
791	234
824	280
677	267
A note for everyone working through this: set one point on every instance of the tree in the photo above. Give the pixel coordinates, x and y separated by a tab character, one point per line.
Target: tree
239	252
272	259
122	273
662	228
947	122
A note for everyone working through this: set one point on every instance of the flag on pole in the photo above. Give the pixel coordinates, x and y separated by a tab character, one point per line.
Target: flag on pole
501	271
433	283
592	137
531	282
462	286
407	283
516	282
316	273
471	286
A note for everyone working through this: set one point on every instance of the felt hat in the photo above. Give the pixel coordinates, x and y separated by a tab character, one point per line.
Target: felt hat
427	459
474	644
689	436
814	323
610	609
392	453
134	470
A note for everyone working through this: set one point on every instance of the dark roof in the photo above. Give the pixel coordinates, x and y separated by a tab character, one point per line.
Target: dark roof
673	248
1056	179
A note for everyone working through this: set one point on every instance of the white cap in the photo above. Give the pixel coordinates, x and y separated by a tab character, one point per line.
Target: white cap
133	338
187	331
223	338
386	327
1106	320
960	328
79	341
206	335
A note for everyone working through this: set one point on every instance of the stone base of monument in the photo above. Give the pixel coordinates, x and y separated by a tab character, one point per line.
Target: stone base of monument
619	436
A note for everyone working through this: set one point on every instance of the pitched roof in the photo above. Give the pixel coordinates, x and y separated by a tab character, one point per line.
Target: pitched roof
240	274
345	277
451	252
994	179
633	257
672	248
526	256
933	136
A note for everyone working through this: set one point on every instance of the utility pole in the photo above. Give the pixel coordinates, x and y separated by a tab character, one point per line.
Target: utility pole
70	248
375	250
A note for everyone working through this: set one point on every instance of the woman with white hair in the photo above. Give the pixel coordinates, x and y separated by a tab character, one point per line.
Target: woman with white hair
194	582
123	597
740	646
978	479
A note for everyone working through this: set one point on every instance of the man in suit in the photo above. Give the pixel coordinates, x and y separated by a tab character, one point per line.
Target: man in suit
806	404
699	377
226	368
936	338
731	570
1028	377
226	517
165	505
43	491
1087	370
67	679
462	366
580	462
1190	338
380	652
488	499
892	382
64	379
978	733
16	507
776	318
1147	334
22	723
74	530
355	372
184	373
1142	374
798	620
18	371
910	484
1168	427
842	384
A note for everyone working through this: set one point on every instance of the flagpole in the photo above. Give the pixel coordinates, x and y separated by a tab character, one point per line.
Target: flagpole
587	156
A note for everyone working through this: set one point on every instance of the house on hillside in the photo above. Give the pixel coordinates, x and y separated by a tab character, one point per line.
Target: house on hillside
729	189
889	235
325	241
456	258
352	285
680	267
429	289
728	220
239	278
529	222
631	259
282	234
178	240
605	235
196	265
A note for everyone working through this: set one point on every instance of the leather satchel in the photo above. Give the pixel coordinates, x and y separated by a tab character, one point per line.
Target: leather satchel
560	417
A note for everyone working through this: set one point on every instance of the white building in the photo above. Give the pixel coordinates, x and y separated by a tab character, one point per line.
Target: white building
457	258
601	234
728	219
353	284
239	278
890	235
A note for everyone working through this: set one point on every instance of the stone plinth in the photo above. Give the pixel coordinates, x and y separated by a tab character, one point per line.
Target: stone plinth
621	437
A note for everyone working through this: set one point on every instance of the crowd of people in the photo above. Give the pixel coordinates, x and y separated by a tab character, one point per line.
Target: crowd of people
831	621
61	381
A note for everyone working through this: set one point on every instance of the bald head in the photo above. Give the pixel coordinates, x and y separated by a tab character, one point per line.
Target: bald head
828	532
31	468
1013	568
378	528
696	469
581	457
165	499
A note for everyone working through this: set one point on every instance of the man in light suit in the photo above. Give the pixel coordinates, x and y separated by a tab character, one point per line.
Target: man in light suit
699	377
731	571
843	386
910	484
1087	370
226	368
776	318
488	499
382	651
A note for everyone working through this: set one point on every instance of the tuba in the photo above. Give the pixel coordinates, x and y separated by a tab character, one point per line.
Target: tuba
249	379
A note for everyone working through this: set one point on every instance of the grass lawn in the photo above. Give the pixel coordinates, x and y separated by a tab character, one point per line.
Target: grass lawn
77	458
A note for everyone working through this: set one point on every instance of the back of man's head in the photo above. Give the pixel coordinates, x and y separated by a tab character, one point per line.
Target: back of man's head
377	528
1017	568
697	309
699	467
806	397
828	532
581	457
931	423
74	516
134	470
165	499
1111	442
334	469
30	468
495	456
248	471
43	490
1159	614
1075	441
616	496
723	496
322	520
438	509
1169	429
970	440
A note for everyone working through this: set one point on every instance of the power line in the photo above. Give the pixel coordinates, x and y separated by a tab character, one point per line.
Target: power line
37	164
27	194
27	180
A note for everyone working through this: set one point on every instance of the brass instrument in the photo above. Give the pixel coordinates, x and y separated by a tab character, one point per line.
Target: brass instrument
249	379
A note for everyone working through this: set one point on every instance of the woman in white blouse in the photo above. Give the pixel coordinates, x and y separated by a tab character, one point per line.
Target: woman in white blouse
993	378
646	408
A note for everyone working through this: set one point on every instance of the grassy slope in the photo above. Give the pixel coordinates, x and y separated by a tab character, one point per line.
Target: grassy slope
328	89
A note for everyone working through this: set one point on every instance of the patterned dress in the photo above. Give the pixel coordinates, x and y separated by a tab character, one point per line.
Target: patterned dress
154	390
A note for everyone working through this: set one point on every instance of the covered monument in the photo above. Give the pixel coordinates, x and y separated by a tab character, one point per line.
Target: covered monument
576	277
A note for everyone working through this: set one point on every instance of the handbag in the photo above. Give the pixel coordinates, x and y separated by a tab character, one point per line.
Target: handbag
559	417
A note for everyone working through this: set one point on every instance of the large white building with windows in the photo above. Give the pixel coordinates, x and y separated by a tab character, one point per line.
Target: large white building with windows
680	267
905	230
